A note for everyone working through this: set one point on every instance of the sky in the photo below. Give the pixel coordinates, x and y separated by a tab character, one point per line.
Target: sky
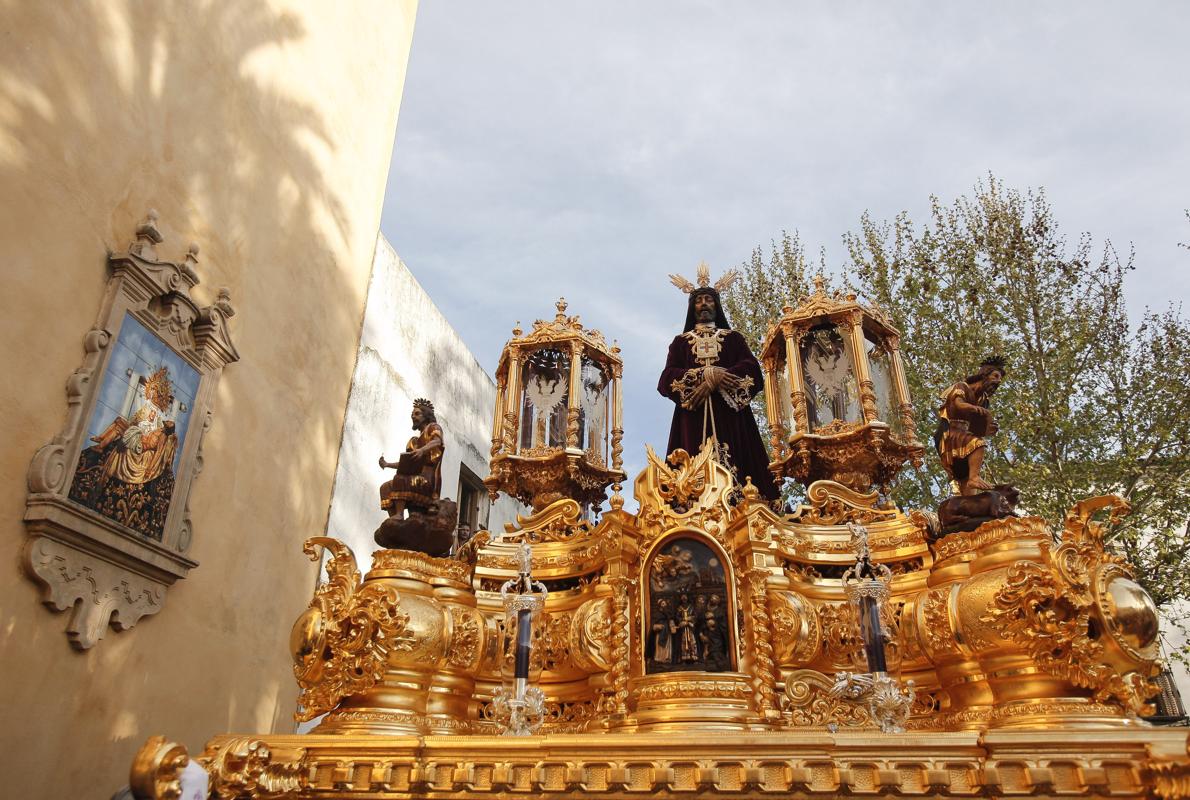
586	149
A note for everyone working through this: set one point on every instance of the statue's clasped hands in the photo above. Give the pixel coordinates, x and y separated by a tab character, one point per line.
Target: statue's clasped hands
713	378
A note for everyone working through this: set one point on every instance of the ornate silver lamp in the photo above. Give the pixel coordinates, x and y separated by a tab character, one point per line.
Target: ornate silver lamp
519	707
867	587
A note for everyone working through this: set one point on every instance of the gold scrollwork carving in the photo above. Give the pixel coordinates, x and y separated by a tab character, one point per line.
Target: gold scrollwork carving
955	544
811	704
157	769
940	639
588	636
832	503
1170	780
426	567
245	767
340	644
558	522
840	632
554	647
1051	611
1033	609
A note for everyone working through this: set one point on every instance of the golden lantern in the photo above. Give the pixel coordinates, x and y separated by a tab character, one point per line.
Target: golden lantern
557	428
838	404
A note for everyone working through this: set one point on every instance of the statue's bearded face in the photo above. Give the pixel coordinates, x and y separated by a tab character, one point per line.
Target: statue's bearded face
418	417
704	307
992	382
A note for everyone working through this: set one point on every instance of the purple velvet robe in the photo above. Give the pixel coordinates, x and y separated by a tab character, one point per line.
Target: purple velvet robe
736	429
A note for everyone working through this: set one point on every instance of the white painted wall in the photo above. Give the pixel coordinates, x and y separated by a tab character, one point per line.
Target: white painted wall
1176	638
407	350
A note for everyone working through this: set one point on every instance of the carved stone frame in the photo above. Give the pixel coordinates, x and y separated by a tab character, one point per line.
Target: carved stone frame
83	560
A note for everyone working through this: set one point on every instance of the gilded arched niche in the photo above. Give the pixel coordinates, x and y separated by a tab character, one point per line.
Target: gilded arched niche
689	608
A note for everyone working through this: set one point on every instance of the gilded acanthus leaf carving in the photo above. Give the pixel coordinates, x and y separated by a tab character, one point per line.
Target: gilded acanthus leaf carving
465	639
242	766
1035	609
341	643
683	484
558	522
809	703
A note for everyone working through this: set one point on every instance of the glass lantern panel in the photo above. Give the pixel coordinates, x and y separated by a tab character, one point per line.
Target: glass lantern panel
832	393
545	381
595	384
880	367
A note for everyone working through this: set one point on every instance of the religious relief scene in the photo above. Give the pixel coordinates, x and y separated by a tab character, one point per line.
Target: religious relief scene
687	621
136	432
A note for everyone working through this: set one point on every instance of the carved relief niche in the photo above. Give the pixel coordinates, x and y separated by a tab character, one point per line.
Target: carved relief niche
108	513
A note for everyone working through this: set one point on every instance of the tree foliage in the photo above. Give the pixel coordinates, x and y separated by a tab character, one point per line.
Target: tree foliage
1092	402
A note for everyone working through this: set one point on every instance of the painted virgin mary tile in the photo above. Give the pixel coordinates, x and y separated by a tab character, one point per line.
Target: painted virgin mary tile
136	432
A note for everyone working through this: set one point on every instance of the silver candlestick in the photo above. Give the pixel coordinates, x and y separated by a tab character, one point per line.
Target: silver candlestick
520	708
867	586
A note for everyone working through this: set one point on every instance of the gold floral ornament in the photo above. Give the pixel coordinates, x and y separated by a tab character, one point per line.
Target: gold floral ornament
1086	620
340	644
557	430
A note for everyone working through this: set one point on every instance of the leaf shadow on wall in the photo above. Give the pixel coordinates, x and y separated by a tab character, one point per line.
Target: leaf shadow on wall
120	107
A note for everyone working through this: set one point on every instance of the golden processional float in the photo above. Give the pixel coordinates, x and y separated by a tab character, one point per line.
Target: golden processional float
707	644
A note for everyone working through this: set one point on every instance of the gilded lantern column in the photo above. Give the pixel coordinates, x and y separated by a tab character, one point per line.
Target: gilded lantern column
511	404
904	406
498	413
572	411
867	389
774	410
797	386
617	413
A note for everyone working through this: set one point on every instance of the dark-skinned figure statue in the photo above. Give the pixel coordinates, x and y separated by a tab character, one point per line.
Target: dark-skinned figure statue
416	489
712	376
965	423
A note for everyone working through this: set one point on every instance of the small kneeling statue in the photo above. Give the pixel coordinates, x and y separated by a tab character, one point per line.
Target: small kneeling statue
417	488
965	423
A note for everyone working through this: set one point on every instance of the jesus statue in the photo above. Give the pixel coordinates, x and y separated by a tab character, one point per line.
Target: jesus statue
712	376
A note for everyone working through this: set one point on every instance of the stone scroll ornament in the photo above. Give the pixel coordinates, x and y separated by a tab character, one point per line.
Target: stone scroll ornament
108	516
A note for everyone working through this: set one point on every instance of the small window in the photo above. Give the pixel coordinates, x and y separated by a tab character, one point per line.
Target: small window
474	505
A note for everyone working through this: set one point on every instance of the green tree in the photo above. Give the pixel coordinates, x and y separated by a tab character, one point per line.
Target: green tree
1091	403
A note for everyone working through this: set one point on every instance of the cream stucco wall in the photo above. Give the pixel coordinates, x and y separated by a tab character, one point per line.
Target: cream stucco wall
262	132
408	350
